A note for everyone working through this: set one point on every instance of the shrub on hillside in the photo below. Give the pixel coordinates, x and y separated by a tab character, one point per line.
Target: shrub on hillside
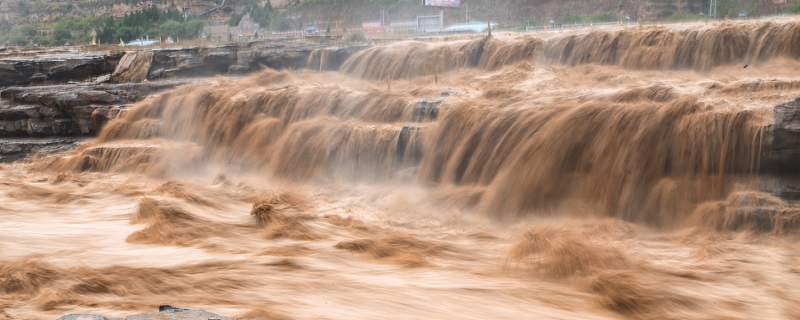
355	36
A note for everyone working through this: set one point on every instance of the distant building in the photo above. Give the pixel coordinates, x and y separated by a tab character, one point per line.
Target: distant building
246	29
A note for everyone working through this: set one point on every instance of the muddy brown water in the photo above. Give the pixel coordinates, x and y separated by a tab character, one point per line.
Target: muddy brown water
512	177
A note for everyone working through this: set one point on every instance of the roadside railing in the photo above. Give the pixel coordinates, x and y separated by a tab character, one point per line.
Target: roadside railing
568	26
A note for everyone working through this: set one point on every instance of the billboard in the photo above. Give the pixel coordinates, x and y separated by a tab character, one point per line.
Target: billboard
442	3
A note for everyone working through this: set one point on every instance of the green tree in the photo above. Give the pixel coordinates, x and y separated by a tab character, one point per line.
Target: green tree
21	35
192	28
125	33
106	31
173	14
17	39
27	30
235	19
61	35
794	6
171	28
261	15
42	41
150	21
5	26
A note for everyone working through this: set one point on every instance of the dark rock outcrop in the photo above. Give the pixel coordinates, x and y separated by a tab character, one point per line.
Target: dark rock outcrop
192	62
427	110
751	211
69	110
16	149
72	97
56	68
782	139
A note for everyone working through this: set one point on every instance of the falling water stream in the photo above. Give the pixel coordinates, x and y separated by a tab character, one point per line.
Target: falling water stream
617	173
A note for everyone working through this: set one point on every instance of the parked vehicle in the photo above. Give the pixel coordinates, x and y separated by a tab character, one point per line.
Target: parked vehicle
311	31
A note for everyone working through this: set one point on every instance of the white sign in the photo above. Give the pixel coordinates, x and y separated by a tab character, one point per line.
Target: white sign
371	25
442	3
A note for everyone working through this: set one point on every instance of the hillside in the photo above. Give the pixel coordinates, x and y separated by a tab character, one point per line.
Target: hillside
43	22
58	22
511	11
44	11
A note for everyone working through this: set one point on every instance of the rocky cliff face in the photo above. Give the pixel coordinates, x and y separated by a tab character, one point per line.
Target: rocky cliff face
70	94
47	67
48	99
70	109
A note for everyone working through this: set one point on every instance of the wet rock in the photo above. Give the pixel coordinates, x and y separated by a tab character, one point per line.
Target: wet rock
56	68
74	94
330	58
165	313
782	139
101	115
156	73
752	211
82	317
758	219
169	308
9	149
239	69
407	153
68	110
789	190
15	149
220	55
754	199
47	67
192	62
244	61
38	78
23	112
790	223
103	79
427	110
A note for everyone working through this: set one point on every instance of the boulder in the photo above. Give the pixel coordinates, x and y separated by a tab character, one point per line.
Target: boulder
133	67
